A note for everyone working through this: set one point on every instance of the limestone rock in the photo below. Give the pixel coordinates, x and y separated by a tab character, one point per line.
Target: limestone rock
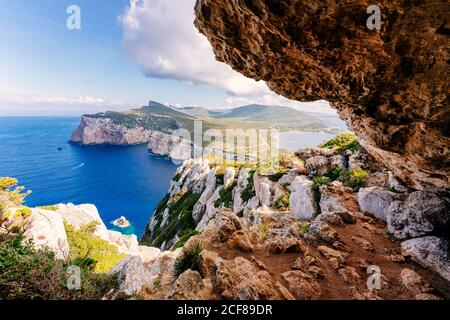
240	279
376	201
420	214
414	282
46	229
132	277
187	286
127	244
304	286
303	200
148	254
330	218
282	240
431	252
228	176
323	231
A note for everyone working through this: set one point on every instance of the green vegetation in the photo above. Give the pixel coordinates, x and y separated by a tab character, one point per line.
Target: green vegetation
342	142
283	202
189	259
7	182
320	181
185	236
356	178
156	283
176	177
304	229
84	244
226	196
30	274
276	176
22	212
263	231
48	208
249	191
10	198
180	219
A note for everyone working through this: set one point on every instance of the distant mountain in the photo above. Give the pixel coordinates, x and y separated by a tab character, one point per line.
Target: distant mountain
134	126
274	116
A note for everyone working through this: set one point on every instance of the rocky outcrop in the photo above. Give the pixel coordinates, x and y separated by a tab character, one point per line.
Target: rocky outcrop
376	201
390	86
92	130
303	198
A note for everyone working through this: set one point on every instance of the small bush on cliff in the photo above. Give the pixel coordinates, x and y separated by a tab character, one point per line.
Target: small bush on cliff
356	178
249	191
226	196
342	142
83	244
320	181
189	259
283	202
30	274
10	198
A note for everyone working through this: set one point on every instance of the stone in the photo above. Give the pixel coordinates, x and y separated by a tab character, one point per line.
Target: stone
426	296
132	277
228	224
242	182
349	274
394	99
420	214
287	295
317	166
323	231
414	282
121	222
302	199
162	268
240	279
330	218
127	244
376	201
346	216
304	286
307	153
46	229
148	254
228	176
187	286
395	184
331	197
333	256
363	243
281	240
431	252
263	189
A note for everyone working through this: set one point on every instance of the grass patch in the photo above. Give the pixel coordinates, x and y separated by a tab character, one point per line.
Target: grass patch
48	208
342	142
83	244
356	178
320	181
263	231
304	229
283	202
189	259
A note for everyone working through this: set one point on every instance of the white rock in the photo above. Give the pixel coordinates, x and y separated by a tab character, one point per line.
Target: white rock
376	201
431	252
132	276
148	254
127	244
46	229
82	215
302	200
263	187
228	176
395	184
242	182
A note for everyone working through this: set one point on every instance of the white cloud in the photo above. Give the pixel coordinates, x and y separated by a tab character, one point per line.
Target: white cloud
23	104
161	37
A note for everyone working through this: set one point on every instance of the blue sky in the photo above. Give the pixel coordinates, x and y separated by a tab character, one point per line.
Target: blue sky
125	54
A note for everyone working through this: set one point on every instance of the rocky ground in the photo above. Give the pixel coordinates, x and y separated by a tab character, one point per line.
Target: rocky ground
284	236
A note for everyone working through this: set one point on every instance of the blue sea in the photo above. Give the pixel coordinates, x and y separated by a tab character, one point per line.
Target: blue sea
120	181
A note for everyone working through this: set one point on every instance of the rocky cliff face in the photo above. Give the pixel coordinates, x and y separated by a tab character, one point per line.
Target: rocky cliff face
324	218
93	131
391	86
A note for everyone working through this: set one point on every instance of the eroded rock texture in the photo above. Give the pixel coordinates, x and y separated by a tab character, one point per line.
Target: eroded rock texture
391	86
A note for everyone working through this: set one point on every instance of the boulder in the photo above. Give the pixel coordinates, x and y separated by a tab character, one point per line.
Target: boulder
282	240
263	187
414	282
302	200
420	214
330	218
323	231
241	279
148	254
187	286
304	286
431	252
127	244
332	197
376	201
227	224
228	176
132	275
317	166
46	229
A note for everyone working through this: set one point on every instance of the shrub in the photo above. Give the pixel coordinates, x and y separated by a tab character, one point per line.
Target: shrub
320	181
30	274
48	208
7	182
83	244
304	229
283	202
10	198
357	178
189	259
263	231
334	174
23	212
342	142
226	196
